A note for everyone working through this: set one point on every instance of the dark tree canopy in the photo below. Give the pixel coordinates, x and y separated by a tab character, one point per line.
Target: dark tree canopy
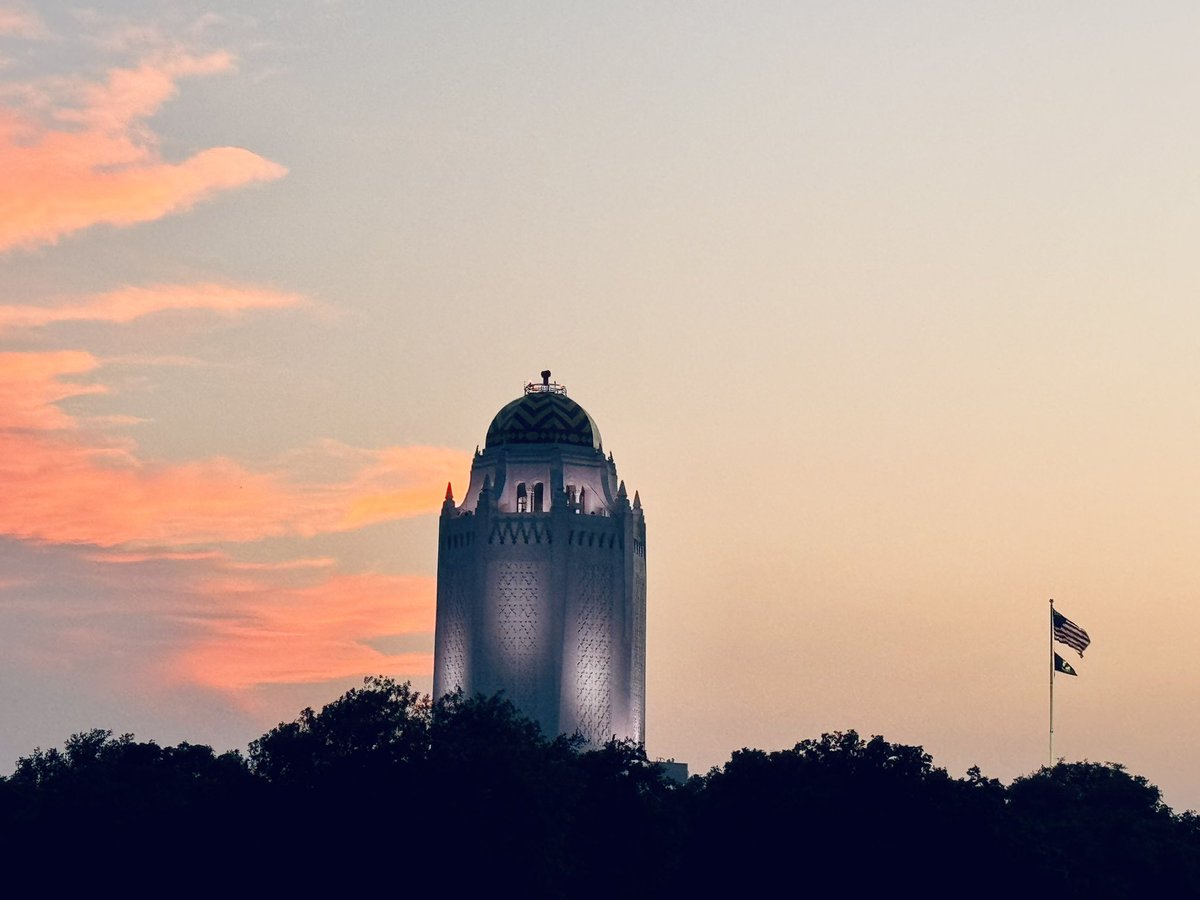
384	788
1093	829
363	733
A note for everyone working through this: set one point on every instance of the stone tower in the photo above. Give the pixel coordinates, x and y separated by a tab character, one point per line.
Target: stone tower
541	586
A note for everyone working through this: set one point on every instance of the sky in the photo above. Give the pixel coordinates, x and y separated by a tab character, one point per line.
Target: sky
888	311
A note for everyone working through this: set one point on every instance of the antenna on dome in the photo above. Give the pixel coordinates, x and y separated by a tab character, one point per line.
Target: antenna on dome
546	387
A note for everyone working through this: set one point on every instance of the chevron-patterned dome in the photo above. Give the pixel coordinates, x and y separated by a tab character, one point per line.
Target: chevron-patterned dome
543	417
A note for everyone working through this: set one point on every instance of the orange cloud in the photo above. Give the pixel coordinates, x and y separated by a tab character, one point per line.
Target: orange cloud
32	383
208	621
75	154
153	556
264	633
148	600
63	483
130	303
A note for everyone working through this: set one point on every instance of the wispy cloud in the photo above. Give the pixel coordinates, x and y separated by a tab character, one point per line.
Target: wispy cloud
66	483
185	620
130	303
265	633
77	153
119	569
20	21
120	558
31	385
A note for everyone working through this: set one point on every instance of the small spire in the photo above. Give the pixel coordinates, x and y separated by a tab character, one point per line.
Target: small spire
610	457
449	491
637	500
621	493
483	502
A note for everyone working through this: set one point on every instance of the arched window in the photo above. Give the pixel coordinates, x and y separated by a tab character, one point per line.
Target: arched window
537	497
522	498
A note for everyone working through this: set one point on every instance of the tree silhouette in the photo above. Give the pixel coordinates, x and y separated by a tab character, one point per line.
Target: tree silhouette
109	806
1092	829
363	734
849	814
383	787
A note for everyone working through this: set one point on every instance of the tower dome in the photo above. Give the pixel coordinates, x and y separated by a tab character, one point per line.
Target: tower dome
544	415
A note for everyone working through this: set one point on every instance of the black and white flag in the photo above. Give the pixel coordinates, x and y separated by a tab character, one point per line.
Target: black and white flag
1061	665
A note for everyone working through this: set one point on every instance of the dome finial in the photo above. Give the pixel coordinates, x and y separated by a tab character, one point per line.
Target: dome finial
546	386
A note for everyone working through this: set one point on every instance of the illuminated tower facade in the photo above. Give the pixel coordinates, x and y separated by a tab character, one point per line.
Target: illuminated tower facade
542	575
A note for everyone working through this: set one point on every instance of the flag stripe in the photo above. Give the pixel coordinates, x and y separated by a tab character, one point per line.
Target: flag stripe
1067	632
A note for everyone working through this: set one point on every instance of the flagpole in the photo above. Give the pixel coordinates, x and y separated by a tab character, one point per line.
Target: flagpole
1051	763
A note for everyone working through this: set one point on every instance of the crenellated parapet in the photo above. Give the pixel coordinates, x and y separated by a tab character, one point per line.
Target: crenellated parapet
519	529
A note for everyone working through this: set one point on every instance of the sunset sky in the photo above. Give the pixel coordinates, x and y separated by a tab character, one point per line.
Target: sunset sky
890	311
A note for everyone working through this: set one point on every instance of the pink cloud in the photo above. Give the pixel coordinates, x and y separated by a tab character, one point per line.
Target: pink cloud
266	633
64	483
117	558
148	604
75	154
21	22
207	621
31	384
130	303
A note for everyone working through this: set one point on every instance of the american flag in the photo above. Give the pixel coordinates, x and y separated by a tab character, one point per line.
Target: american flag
1067	632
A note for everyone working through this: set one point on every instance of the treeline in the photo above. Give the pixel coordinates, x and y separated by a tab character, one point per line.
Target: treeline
383	790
